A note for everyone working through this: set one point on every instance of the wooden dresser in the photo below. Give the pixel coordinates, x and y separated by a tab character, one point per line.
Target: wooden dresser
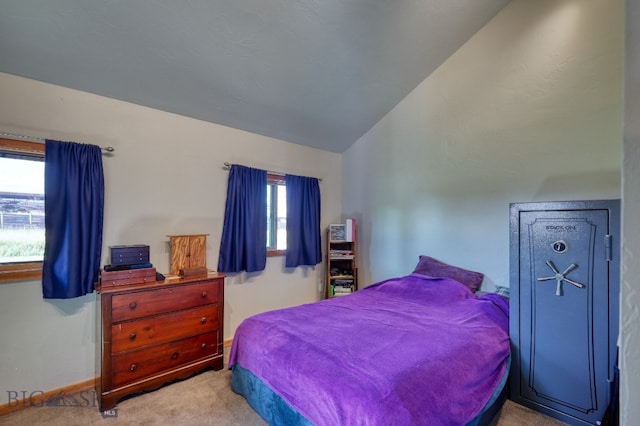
154	333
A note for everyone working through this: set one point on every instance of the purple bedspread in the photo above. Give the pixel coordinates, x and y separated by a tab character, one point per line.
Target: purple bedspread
409	350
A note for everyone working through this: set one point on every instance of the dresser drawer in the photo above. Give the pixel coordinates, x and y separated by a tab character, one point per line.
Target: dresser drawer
153	334
163	328
156	301
131	366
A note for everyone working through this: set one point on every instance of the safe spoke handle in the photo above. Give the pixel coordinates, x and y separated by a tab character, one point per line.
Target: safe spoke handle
559	277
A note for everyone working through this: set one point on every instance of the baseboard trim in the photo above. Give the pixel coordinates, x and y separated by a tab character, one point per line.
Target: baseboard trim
20	399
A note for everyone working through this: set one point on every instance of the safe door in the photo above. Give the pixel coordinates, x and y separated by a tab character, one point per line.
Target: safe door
564	306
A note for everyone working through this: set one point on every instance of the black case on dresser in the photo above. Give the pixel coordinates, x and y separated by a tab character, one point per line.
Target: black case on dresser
564	304
129	255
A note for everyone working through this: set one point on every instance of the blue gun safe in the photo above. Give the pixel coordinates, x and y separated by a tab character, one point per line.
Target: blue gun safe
564	273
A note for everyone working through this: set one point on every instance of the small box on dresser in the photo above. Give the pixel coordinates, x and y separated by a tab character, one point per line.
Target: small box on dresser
155	333
129	255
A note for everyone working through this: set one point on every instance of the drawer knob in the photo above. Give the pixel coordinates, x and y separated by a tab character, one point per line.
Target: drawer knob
133	305
203	346
175	355
133	367
203	320
132	336
204	294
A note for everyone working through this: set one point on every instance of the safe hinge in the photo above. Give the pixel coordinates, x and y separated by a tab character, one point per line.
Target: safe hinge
607	247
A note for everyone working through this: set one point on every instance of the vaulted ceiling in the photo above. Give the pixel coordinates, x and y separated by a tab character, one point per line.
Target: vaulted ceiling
319	73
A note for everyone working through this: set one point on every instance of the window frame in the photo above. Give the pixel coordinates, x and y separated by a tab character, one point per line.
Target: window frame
22	271
274	179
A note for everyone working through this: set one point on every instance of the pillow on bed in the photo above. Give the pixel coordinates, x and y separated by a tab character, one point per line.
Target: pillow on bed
435	268
502	291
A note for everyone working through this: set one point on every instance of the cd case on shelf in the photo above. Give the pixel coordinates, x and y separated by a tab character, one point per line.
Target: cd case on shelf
337	232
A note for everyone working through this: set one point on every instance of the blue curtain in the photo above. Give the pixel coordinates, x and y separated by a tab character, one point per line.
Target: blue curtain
74	207
304	245
244	234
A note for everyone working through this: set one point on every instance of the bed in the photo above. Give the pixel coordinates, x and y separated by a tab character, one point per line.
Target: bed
411	350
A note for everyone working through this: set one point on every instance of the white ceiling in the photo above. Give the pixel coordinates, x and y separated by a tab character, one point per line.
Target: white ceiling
313	72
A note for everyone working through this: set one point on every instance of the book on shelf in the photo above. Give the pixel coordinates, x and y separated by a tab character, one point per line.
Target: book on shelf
341	254
344	285
340	289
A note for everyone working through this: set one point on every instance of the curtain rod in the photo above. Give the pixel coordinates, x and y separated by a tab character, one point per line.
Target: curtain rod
42	140
227	166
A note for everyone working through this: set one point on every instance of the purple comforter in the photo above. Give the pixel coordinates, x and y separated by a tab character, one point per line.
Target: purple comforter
409	350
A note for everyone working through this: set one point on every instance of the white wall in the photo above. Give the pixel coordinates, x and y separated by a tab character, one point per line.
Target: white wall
529	109
630	288
164	178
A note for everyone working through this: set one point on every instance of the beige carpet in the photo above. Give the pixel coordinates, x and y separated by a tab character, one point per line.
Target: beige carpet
205	399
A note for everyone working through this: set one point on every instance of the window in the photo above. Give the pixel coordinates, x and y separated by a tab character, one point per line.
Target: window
21	209
276	215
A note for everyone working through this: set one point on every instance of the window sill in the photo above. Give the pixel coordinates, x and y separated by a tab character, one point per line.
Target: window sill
274	253
20	272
